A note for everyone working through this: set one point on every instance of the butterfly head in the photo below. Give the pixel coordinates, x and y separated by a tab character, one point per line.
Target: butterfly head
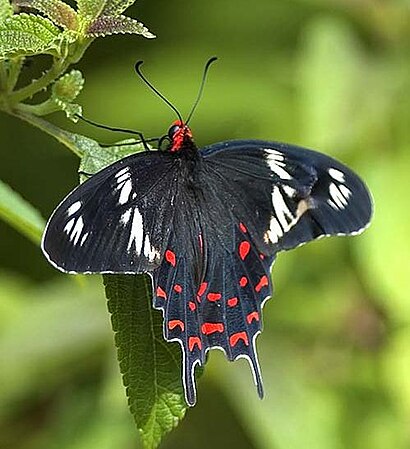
179	134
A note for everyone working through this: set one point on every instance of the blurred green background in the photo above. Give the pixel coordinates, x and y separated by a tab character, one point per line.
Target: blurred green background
335	351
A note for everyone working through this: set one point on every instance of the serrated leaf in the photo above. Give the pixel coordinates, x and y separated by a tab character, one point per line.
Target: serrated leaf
68	87
107	25
116	7
90	9
27	34
65	90
56	10
6	9
96	158
20	214
149	365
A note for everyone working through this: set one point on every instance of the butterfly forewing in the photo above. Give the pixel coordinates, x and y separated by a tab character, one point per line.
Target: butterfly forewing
291	194
118	220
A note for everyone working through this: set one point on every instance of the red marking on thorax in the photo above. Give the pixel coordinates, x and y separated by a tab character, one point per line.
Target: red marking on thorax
161	293
177	288
232	301
234	338
192	305
252	316
244	249
214	296
243	281
192	341
263	282
210	328
179	136
170	257
242	227
174	323
201	243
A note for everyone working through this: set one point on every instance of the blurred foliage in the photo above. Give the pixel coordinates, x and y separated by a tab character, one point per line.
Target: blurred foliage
335	351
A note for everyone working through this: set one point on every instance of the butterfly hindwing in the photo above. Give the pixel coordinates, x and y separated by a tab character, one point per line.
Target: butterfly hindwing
118	220
222	309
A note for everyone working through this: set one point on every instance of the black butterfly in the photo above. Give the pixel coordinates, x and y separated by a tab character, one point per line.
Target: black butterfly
206	224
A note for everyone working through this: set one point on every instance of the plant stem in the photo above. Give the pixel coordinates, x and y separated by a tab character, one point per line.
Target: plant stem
62	136
57	69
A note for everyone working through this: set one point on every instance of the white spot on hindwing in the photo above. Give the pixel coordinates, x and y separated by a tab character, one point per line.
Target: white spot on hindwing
276	163
73	208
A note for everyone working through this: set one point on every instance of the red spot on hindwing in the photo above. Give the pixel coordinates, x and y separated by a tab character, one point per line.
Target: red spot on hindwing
161	293
263	282
242	227
210	328
170	257
243	281
244	249
201	290
177	288
176	323
232	301
214	296
192	341
261	256
192	305
234	338
252	316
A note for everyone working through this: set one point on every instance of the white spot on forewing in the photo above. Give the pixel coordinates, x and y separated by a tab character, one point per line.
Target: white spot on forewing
275	231
290	191
123	171
282	212
346	192
275	161
337	196
77	230
336	174
84	238
332	204
125	192
69	226
73	208
149	251
136	231
125	217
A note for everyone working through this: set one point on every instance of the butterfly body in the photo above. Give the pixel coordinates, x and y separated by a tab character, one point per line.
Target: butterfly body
206	224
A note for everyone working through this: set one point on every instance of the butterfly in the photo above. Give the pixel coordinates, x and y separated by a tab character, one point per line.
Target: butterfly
206	224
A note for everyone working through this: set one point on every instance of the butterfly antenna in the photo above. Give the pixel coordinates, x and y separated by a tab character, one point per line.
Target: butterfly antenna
201	88
160	95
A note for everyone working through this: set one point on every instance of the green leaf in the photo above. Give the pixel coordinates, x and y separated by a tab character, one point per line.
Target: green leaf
27	34
116	7
149	365
96	158
57	11
65	90
107	25
90	9
20	214
6	10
